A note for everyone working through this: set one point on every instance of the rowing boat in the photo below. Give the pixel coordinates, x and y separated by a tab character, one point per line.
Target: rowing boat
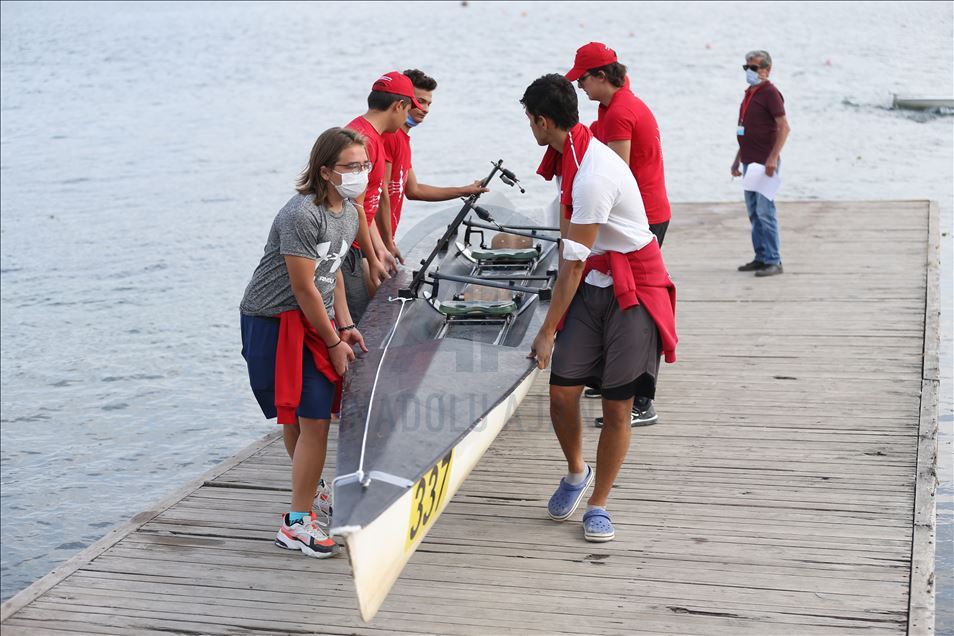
922	103
447	367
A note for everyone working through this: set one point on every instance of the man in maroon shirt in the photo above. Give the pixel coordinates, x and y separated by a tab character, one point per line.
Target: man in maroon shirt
762	131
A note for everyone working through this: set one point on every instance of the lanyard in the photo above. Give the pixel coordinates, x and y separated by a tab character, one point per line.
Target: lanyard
747	100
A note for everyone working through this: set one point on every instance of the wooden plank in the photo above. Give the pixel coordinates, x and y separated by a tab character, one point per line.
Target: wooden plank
712	554
883	580
19	627
794	546
784	601
510	587
922	590
660	616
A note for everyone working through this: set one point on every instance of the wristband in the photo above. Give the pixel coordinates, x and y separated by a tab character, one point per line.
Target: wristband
335	344
348	328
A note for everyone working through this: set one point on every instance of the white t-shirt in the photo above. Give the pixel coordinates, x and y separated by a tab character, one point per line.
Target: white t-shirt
605	192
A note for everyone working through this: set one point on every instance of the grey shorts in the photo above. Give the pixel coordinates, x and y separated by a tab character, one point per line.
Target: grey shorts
606	348
356	291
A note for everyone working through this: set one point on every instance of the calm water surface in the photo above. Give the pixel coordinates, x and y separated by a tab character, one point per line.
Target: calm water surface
144	150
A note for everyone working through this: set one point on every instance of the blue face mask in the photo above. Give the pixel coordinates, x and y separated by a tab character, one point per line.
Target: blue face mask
752	77
410	122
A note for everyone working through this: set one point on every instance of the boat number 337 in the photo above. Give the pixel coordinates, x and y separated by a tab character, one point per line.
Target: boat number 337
428	498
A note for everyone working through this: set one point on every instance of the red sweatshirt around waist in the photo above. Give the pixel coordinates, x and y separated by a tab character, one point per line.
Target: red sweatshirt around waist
640	278
295	334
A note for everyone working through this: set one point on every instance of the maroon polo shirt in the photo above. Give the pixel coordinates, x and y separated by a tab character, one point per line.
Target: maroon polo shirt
757	112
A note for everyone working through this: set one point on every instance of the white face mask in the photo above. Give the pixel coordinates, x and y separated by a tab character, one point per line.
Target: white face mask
752	77
352	184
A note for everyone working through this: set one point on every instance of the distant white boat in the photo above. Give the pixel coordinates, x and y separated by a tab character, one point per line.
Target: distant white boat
921	104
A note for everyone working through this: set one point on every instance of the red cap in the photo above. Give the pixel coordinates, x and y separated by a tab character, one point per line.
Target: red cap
398	84
592	55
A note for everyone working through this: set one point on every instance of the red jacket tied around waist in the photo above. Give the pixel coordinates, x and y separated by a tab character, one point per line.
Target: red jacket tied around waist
640	278
295	334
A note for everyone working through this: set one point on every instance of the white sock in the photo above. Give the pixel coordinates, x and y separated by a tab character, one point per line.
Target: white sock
575	479
589	507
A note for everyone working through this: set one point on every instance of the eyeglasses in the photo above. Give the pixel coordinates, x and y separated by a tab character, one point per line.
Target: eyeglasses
751	67
356	167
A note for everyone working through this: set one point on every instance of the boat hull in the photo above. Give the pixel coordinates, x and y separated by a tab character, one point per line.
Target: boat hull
379	551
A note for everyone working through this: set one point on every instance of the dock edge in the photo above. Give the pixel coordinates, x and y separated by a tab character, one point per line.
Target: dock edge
921	597
118	533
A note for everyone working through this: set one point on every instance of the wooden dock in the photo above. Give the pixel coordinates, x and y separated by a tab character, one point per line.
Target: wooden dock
787	489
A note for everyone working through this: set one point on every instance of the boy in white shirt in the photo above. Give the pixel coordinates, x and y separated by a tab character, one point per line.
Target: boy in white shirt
613	303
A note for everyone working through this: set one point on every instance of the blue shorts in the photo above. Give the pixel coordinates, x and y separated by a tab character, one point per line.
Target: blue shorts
259	345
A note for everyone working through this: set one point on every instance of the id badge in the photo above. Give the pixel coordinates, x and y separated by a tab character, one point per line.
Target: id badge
740	131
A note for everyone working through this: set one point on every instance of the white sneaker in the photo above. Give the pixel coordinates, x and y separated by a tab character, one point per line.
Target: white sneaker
322	505
305	535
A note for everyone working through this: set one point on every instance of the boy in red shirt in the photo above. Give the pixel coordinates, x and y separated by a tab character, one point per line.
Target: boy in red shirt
628	127
389	102
399	175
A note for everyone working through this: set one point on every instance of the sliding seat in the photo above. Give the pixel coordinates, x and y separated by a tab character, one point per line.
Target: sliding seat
503	256
476	308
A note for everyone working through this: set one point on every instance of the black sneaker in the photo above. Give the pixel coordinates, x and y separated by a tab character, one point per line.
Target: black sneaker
752	266
643	414
770	270
592	393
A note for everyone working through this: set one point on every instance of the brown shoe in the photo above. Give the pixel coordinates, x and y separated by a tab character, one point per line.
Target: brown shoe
770	270
752	266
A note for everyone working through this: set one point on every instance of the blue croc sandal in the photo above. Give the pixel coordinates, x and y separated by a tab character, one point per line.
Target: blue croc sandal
567	497
597	526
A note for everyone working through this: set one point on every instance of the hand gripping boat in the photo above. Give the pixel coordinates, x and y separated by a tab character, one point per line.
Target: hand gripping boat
447	367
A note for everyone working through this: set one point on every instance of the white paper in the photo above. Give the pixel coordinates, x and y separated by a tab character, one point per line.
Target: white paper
755	180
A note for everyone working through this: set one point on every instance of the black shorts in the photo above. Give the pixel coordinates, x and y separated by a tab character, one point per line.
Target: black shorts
604	347
356	290
659	231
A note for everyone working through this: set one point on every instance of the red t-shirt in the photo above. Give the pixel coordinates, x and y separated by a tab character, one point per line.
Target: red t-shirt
377	155
628	118
762	104
398	147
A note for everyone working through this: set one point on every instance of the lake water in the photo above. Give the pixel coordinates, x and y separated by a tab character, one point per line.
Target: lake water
145	148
